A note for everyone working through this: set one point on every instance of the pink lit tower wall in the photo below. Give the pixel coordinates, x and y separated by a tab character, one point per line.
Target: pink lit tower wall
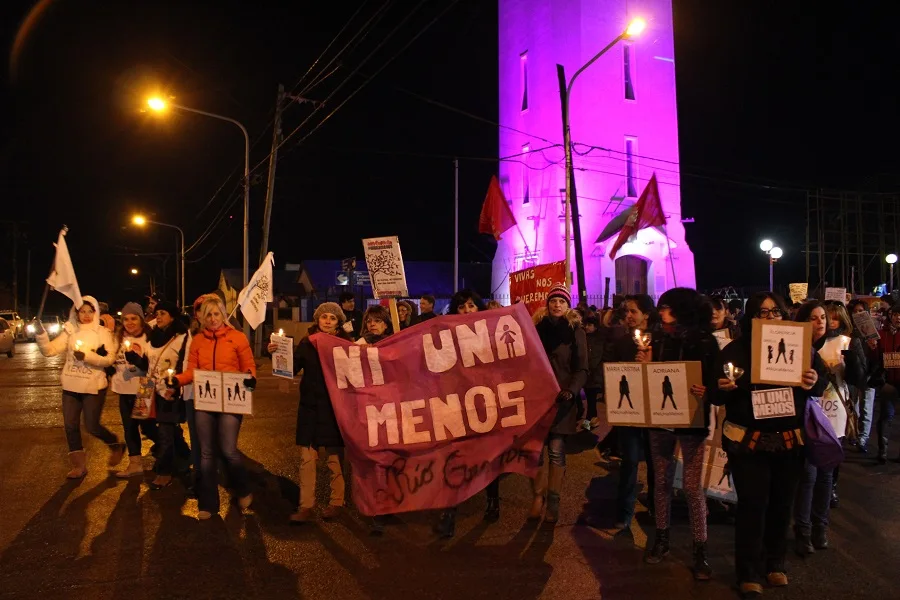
624	126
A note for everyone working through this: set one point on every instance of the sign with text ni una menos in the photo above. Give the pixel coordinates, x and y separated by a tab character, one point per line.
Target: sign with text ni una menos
432	414
385	265
531	286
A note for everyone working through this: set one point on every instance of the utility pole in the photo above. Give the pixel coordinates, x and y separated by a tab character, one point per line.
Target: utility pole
15	259
28	284
455	225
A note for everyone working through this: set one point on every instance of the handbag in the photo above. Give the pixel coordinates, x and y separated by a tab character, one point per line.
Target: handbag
823	449
145	399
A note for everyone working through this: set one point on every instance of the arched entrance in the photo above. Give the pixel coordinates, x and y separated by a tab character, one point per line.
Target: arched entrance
631	275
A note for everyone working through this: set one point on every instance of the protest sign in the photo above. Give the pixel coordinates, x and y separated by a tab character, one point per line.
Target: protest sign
653	394
216	391
717	483
891	360
839	294
432	414
866	325
798	291
531	286
771	404
782	351
386	267
283	357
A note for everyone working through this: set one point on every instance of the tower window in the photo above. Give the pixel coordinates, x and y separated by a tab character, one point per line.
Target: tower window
627	51
523	79
631	175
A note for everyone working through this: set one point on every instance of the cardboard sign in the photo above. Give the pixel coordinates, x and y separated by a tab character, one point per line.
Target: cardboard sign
781	350
624	393
723	336
215	391
531	286
839	294
386	267
798	291
283	357
717	483
653	394
866	325
770	404
891	360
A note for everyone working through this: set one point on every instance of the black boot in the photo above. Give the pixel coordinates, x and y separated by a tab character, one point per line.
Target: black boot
492	511
660	547
702	570
802	544
819	538
835	501
883	430
446	527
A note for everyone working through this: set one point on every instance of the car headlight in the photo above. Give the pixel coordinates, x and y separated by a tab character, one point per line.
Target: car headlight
53	328
30	328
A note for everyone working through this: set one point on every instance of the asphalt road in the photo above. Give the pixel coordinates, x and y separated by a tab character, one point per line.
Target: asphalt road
108	538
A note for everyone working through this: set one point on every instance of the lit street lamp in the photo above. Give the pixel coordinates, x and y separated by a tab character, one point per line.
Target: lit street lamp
890	259
635	27
158	104
140	221
134	271
774	252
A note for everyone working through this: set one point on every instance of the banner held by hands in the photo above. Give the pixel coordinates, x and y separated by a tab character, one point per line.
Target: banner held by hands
258	292
62	275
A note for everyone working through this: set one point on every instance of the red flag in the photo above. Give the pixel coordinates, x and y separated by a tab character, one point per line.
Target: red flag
496	217
647	212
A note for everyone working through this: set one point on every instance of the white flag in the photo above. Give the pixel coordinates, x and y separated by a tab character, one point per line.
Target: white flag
62	278
253	298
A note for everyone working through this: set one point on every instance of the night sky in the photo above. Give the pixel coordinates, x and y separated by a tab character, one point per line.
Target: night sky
770	104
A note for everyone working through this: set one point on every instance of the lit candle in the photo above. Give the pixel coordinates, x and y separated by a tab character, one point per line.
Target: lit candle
78	344
170	373
281	332
127	345
845	342
731	371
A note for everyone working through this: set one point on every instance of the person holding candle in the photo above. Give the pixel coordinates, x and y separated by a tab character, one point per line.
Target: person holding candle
89	349
125	381
634	444
685	335
316	422
845	362
765	474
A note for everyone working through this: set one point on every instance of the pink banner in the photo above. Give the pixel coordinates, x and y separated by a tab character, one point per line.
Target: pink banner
433	414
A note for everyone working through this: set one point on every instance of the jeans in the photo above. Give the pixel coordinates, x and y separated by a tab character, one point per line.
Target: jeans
813	499
308	458
662	447
556	449
219	430
633	446
134	427
171	440
190	415
765	483
866	399
73	404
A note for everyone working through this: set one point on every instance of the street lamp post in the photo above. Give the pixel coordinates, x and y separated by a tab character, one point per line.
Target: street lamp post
890	259
774	253
141	221
573	224
158	104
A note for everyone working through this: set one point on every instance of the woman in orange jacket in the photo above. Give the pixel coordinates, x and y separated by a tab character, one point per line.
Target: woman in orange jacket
218	347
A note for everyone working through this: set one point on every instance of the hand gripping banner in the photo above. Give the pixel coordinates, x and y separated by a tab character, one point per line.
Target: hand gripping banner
434	413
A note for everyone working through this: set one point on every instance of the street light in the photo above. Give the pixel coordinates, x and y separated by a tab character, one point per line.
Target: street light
157	104
890	259
573	224
140	221
134	271
774	252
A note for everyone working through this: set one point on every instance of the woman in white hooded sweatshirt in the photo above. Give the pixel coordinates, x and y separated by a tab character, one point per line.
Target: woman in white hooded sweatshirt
89	348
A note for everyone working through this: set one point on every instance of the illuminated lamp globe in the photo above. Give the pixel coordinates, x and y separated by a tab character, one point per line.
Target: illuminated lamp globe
635	27
890	259
776	253
766	245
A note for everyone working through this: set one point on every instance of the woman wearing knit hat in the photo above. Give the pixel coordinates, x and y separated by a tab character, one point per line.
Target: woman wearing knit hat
565	342
316	423
129	368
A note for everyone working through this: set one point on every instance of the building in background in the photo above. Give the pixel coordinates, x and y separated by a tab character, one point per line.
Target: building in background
624	128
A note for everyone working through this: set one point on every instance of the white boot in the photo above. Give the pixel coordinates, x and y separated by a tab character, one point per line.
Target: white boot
135	467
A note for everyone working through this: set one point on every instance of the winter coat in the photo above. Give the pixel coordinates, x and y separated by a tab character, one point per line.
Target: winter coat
226	350
127	377
889	341
565	342
738	403
690	345
168	349
316	423
82	376
596	343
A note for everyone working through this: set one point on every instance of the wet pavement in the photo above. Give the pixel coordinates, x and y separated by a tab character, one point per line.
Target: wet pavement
108	538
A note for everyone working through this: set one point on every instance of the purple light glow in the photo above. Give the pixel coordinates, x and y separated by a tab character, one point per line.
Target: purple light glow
637	136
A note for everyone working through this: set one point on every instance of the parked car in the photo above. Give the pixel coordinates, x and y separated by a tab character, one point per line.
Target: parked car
7	339
15	322
52	325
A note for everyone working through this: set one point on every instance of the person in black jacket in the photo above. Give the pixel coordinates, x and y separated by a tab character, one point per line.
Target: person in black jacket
765	456
316	423
685	336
